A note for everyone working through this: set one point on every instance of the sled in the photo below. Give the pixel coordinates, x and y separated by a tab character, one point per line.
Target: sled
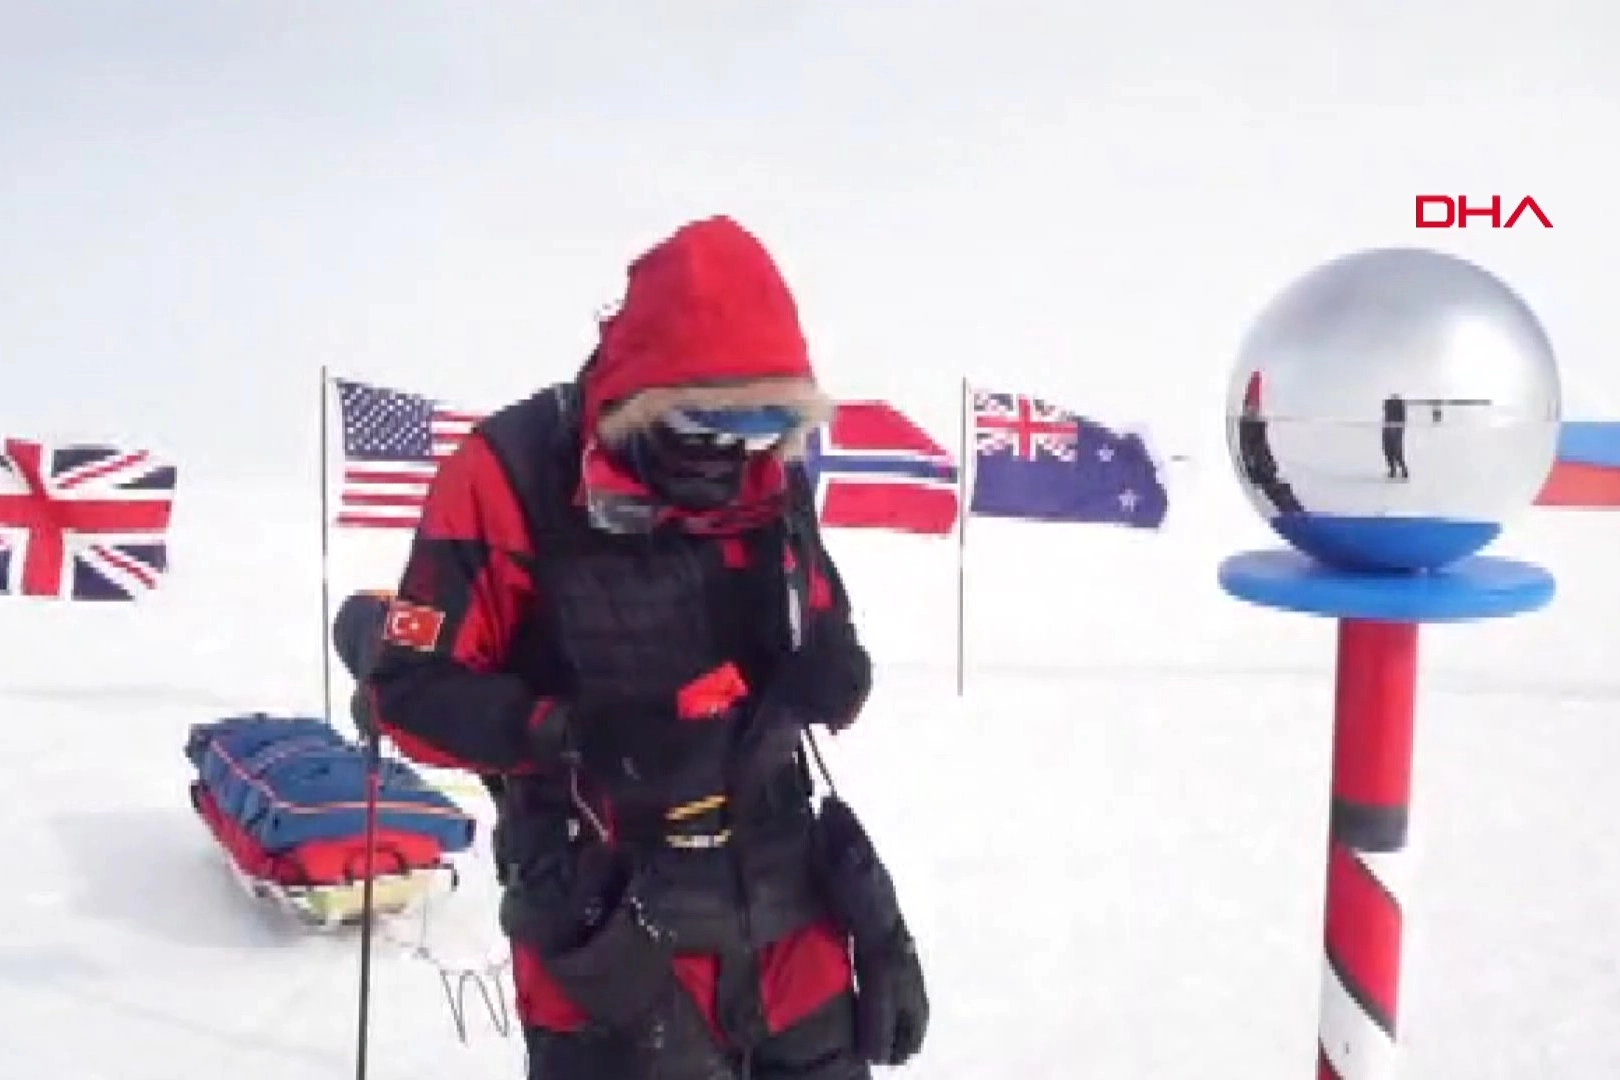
336	907
286	880
288	802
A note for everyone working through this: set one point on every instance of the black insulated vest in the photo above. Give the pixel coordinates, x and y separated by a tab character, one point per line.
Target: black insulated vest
630	620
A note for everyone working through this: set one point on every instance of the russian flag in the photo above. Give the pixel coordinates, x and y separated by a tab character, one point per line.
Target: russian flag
872	468
1586	474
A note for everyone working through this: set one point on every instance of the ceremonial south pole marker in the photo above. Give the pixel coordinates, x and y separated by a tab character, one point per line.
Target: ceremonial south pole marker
1385	510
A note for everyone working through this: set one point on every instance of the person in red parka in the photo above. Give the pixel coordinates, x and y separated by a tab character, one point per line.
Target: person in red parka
618	605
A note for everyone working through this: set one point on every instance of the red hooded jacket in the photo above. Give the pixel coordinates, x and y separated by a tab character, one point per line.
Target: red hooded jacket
706	320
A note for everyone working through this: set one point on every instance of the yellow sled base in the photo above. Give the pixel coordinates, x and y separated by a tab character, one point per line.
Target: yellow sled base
333	907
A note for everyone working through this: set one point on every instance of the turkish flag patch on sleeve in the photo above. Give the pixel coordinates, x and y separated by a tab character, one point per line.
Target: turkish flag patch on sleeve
413	625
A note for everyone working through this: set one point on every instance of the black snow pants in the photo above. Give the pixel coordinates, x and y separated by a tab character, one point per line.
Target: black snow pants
819	1047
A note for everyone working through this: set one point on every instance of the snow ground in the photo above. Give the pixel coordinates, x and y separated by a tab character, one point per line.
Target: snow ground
1111	847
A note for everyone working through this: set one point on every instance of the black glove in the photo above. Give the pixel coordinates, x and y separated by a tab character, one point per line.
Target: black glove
357	632
823	683
551	733
362	714
639	750
891	999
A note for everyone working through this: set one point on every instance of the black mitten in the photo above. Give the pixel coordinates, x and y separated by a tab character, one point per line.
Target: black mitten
823	683
619	971
891	995
639	751
891	999
357	636
361	713
357	632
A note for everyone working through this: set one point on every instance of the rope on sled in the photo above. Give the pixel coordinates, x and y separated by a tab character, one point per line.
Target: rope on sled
486	982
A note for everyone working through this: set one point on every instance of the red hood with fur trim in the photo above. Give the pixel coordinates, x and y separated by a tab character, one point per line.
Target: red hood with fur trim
708	322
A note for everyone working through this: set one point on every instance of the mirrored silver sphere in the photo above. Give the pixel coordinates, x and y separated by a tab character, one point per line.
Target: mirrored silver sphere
1391	409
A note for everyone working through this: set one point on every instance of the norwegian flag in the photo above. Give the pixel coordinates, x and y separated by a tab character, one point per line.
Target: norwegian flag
872	467
81	522
1023	426
393	443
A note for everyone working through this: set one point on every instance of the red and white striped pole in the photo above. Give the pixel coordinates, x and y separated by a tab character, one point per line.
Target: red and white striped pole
1326	358
1372	781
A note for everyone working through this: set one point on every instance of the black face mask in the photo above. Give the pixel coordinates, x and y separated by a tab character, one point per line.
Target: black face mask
692	472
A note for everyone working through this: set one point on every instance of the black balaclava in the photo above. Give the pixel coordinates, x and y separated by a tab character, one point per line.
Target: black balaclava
692	472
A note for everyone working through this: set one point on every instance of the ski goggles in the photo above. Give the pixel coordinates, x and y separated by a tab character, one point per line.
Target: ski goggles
755	429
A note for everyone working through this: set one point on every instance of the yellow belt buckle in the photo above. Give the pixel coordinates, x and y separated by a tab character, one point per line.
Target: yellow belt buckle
687	811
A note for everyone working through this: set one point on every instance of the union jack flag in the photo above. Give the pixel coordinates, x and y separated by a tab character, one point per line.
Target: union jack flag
1023	426
393	443
82	522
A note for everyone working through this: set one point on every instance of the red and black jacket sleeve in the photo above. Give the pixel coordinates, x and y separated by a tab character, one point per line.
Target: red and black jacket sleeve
441	688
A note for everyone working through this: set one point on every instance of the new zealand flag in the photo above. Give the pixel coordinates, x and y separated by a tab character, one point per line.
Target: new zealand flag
1035	461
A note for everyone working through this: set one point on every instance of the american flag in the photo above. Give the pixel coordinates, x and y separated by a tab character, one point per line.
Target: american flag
1023	426
81	522
393	443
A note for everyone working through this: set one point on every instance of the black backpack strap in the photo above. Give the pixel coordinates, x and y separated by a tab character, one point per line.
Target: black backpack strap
537	441
804	541
801	499
568	402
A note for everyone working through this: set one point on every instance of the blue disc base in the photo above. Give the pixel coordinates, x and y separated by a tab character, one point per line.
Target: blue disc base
1384	544
1481	587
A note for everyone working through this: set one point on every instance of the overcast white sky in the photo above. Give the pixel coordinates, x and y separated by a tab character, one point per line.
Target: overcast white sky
201	203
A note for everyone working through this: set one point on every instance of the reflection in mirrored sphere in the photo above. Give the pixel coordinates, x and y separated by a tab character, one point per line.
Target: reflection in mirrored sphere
1392	408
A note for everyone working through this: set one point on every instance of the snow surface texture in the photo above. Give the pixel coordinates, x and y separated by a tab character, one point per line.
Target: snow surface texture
1111	848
